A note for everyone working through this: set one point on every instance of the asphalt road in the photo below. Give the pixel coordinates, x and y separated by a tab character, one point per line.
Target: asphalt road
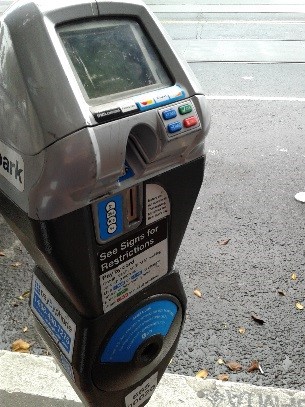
255	165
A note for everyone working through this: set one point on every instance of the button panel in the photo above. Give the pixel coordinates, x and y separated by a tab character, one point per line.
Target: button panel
179	119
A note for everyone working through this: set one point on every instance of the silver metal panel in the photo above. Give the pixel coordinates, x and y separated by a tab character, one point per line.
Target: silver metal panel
58	11
86	165
56	99
67	179
32	171
19	125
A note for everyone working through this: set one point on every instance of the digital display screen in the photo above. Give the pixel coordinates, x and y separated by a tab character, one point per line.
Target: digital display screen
112	56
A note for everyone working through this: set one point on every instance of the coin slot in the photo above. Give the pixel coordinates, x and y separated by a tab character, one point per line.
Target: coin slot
149	350
132	204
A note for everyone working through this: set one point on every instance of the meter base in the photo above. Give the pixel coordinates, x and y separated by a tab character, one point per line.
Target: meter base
98	381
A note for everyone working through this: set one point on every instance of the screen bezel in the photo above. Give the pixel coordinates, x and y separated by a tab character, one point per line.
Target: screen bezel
111	21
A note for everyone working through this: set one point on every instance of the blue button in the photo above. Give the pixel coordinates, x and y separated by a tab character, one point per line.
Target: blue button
174	127
169	114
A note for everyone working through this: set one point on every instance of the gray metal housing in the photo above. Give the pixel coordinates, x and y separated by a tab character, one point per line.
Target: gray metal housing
69	159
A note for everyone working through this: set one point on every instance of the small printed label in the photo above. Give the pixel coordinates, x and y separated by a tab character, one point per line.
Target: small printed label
106	113
128	106
132	264
143	392
161	98
12	166
67	366
53	318
110	217
147	102
157	203
175	92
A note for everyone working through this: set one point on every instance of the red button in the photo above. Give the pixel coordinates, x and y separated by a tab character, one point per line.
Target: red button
190	121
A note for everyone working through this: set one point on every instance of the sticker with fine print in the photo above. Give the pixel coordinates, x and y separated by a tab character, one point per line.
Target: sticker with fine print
133	263
53	318
143	392
157	203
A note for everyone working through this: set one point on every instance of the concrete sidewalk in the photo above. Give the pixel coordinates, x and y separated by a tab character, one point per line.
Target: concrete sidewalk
36	381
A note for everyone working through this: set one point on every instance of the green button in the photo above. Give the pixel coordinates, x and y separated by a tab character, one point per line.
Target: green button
185	109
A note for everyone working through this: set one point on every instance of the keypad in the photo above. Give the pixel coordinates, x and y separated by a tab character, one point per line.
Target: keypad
179	118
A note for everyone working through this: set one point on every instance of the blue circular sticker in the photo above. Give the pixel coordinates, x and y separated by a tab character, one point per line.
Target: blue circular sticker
154	318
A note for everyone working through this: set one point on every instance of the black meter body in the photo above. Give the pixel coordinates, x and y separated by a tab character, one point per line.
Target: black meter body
102	133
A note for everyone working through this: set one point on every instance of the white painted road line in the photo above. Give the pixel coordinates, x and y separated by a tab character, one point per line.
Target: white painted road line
255	98
199	8
260	51
223	2
220	22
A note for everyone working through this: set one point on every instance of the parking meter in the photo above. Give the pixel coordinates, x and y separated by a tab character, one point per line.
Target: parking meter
102	130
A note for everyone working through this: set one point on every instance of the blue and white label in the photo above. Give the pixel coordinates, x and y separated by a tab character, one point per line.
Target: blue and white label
110	217
155	318
159	98
53	318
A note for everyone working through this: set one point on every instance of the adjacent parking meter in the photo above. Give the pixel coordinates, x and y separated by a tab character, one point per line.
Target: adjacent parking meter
102	130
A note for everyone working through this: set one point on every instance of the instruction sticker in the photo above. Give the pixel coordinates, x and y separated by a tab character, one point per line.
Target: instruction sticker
53	317
133	263
157	203
143	392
